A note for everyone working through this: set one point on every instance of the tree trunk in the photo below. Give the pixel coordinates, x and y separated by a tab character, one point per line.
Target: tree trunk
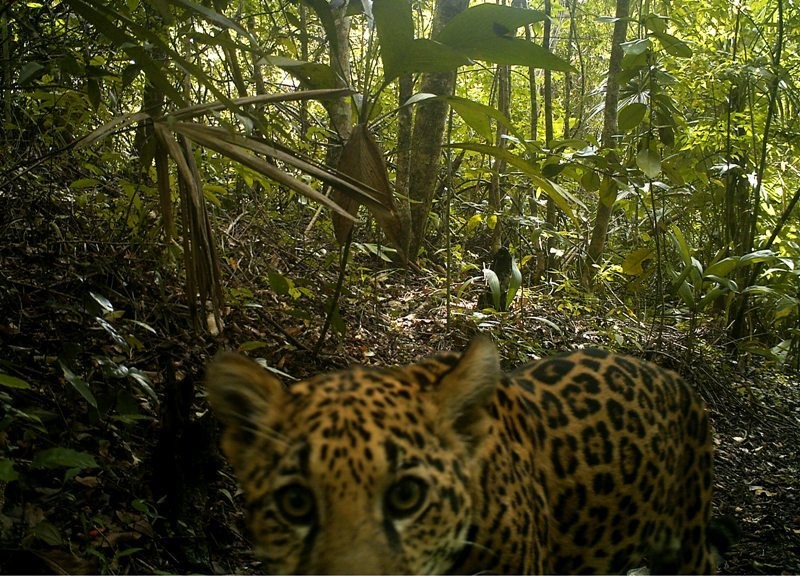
503	77
426	140
608	190
550	216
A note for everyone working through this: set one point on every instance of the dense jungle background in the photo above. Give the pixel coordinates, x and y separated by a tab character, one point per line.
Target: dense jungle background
319	183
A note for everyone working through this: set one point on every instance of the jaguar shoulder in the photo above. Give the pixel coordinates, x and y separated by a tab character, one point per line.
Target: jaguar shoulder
586	462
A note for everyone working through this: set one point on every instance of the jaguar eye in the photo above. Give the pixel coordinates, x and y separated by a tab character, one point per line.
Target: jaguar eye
405	497
296	503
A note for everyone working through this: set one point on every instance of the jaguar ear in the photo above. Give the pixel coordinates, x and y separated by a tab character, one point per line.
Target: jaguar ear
243	396
466	391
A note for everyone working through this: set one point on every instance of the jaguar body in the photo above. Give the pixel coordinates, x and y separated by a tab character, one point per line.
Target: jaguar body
586	462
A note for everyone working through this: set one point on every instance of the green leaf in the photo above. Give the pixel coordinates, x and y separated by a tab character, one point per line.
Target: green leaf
475	115
422	55
337	322
590	181
278	283
83	183
608	192
47	533
490	276
757	257
79	385
400	52
727	283
29	72
723	267
13	382
325	15
673	45
7	472
634	262
636	47
682	245
63	458
313	75
655	23
649	162
93	92
251	345
485	32
486	22
630	116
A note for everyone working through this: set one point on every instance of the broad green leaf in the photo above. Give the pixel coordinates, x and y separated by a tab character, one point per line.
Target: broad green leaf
757	257
337	322
29	72
485	22
13	382
79	385
400	52
63	458
785	307
278	283
493	282
649	162
723	267
590	181
727	283
7	472
93	92
518	52
475	115
759	290
686	293
47	533
395	25
143	381
633	263
608	192
636	47
83	183
251	345
420	97
680	242
673	45
213	16
423	55
630	116
485	32
111	331
655	23
313	75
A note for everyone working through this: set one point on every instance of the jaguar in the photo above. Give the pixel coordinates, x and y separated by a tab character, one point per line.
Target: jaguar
583	462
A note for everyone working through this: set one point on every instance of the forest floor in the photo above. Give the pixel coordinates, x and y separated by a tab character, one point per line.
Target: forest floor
98	333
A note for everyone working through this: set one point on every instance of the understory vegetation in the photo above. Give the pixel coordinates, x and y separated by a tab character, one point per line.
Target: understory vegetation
325	183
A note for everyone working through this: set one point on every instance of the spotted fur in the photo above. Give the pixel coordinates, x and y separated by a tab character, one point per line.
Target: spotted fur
587	462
